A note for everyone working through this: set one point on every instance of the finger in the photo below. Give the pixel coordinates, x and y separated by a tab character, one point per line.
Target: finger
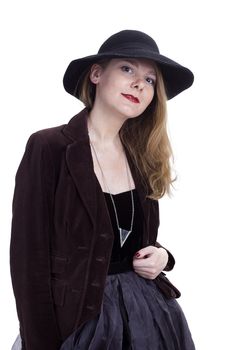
144	263
142	253
152	271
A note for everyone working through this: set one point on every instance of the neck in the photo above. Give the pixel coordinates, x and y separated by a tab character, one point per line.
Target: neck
104	126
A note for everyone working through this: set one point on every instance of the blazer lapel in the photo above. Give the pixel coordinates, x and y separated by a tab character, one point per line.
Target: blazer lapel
79	162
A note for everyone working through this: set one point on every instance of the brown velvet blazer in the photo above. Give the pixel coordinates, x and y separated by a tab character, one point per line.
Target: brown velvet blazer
62	236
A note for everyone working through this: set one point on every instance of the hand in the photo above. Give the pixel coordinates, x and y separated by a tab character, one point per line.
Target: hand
148	262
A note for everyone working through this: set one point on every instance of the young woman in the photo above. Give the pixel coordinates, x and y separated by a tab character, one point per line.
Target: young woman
86	266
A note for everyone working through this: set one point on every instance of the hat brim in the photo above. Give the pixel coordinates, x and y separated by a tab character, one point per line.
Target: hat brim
177	78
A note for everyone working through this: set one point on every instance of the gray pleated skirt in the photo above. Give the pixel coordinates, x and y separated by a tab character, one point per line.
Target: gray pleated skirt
134	315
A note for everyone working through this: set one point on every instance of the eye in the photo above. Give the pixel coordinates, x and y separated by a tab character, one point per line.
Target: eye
151	81
127	69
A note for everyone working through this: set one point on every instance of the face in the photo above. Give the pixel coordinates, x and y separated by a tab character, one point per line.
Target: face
124	86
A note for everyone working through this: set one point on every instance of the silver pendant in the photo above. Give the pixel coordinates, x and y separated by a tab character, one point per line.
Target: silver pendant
124	234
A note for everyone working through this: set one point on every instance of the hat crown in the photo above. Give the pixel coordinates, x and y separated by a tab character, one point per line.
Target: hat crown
128	39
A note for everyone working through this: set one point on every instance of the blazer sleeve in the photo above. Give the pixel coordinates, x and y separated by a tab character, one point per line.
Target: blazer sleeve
171	260
30	247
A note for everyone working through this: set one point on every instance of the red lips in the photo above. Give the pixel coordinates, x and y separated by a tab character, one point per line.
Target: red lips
131	98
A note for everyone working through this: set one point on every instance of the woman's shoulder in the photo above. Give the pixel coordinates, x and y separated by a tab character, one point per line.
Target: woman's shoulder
44	149
52	139
63	134
47	136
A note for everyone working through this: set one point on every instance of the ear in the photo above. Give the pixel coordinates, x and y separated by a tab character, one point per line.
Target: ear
95	73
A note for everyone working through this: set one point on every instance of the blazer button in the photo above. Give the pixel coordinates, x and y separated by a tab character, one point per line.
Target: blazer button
95	284
82	248
100	259
104	235
90	307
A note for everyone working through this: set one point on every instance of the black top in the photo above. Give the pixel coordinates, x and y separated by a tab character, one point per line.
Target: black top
121	258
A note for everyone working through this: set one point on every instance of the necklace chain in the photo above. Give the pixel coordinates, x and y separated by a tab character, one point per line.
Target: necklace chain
123	233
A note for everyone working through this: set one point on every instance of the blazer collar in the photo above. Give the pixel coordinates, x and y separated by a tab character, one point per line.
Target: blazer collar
76	129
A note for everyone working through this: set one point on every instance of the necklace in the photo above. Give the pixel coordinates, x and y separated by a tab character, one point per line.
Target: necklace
124	234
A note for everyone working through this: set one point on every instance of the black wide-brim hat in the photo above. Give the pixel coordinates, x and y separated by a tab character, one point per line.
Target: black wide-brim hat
130	44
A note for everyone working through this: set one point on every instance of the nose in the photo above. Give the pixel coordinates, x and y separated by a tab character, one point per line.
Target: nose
138	84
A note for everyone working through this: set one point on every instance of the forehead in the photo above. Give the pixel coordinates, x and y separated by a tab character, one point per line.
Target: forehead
137	62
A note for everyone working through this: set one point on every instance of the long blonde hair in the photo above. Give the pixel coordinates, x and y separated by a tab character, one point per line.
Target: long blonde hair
145	137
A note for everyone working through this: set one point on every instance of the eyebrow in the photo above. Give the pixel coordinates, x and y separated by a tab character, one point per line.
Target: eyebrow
136	64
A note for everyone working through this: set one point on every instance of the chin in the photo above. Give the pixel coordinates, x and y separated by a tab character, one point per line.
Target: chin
131	113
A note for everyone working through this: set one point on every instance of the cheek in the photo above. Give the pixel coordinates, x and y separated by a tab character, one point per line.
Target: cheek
150	96
109	85
104	87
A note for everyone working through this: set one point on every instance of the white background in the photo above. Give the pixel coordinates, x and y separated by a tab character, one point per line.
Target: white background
40	38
